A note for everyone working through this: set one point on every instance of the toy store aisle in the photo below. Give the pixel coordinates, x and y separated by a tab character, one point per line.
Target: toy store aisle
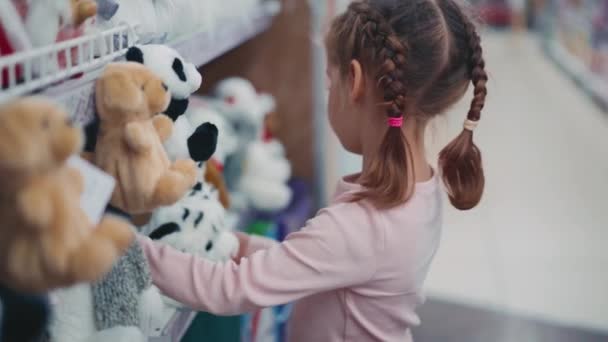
535	247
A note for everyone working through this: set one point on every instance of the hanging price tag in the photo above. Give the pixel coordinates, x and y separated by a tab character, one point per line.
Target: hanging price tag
98	188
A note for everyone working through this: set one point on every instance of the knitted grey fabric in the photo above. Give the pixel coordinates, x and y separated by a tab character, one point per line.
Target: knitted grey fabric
116	297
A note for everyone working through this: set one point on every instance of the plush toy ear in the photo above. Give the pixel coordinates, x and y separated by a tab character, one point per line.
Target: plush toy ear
134	54
164	230
117	91
203	142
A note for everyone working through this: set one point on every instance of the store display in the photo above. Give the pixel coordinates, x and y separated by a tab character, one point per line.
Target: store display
81	45
40	204
129	142
575	38
264	178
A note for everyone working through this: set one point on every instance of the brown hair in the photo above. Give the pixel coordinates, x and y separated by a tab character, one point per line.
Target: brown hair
422	55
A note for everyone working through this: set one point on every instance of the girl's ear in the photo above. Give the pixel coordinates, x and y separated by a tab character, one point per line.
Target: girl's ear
357	82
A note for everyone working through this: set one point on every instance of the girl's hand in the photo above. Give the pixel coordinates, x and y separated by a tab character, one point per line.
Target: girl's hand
243	246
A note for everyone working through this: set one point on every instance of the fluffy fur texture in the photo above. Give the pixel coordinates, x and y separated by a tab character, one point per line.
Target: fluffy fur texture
129	141
181	77
201	111
116	296
123	306
265	176
196	225
46	239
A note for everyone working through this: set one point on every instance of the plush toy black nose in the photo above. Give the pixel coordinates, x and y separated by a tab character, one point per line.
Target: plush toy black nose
165	87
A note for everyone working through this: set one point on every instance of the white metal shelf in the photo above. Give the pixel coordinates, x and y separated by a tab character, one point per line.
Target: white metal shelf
76	93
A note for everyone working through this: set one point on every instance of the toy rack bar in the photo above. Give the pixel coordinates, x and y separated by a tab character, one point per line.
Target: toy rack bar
39	68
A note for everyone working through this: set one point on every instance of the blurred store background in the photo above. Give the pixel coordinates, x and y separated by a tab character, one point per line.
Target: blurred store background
530	264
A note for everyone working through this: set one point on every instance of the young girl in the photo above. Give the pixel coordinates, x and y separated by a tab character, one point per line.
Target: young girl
357	268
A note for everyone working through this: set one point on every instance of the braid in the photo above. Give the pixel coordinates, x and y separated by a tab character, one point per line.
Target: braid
387	50
460	161
478	72
392	169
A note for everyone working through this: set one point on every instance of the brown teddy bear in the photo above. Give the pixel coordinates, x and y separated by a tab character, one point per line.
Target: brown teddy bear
46	239
129	142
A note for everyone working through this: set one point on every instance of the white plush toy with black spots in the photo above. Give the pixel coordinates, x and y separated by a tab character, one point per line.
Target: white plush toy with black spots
196	225
182	79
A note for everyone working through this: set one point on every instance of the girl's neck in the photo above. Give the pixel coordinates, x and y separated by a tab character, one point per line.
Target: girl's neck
414	134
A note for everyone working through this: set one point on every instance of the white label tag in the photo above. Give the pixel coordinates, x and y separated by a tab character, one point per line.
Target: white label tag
98	188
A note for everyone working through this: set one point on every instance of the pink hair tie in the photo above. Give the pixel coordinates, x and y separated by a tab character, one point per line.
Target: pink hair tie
395	122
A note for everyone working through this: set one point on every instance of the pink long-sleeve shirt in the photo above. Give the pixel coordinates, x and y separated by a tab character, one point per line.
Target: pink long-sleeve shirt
355	272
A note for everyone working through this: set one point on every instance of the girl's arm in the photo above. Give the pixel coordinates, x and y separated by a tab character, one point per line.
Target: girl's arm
326	254
249	244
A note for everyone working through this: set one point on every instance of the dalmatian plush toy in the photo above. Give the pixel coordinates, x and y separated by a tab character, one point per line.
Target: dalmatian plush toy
197	225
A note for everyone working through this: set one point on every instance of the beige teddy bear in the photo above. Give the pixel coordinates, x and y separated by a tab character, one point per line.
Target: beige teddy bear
129	142
46	239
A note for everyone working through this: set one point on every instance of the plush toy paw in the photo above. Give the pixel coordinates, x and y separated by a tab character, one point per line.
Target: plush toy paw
137	137
116	230
36	207
119	334
175	182
203	142
186	167
163	126
96	256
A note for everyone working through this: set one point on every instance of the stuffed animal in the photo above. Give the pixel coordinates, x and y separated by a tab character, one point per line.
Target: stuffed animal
264	178
129	142
123	307
46	239
201	111
195	225
187	141
46	18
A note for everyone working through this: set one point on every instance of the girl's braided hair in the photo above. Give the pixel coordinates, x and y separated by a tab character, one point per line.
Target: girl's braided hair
422	55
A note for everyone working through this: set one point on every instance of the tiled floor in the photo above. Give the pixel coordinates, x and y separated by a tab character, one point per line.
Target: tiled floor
536	245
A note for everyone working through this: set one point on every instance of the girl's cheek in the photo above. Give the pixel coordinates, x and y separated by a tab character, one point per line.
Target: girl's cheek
327	82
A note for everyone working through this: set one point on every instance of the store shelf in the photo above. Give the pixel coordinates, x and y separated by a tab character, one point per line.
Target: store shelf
593	85
73	86
203	47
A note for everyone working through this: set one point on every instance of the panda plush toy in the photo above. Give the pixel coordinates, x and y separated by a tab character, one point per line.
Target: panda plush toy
182	79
